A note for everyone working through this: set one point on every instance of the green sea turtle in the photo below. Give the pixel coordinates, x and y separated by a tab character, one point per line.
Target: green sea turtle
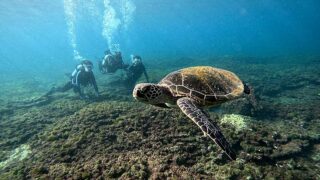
191	89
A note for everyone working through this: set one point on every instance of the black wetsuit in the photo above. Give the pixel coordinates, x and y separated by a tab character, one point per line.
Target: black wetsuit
78	79
134	72
111	63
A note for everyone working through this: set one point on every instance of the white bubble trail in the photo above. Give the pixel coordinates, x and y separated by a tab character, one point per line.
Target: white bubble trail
127	10
69	10
113	21
110	22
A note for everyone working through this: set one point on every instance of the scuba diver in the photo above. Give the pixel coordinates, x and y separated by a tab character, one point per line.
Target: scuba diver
135	71
81	76
111	63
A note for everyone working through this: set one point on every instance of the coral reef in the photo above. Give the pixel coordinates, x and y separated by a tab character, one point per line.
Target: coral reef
117	138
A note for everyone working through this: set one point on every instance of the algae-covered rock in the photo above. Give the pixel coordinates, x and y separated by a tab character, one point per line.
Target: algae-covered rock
16	155
117	138
289	149
38	171
239	122
316	153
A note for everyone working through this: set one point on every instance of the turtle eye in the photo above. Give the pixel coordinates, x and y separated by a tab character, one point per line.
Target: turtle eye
145	89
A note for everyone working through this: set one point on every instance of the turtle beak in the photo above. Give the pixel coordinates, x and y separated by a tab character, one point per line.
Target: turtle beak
140	92
138	95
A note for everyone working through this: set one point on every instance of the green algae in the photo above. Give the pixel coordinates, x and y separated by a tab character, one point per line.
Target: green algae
16	155
239	122
121	139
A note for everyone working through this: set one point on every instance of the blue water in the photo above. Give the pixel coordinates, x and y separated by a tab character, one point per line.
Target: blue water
41	40
35	33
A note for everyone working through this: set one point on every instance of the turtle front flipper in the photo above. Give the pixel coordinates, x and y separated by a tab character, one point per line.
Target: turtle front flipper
190	108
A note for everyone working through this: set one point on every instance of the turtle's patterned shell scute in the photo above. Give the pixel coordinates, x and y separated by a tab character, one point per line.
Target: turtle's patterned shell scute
205	84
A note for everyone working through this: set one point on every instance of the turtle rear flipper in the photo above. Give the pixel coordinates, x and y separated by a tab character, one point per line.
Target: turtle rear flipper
197	115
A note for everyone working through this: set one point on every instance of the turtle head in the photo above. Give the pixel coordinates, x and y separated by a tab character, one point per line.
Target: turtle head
150	93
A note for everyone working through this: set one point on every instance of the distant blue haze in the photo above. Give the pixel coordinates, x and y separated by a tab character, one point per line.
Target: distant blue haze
34	33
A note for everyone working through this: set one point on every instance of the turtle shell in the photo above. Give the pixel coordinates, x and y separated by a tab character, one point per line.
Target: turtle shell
206	85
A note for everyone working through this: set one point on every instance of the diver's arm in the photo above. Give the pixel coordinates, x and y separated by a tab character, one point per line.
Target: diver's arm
125	66
101	67
74	73
94	83
121	63
77	85
79	90
129	69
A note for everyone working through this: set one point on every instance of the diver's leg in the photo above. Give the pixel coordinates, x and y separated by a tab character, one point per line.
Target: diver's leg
63	88
78	90
51	91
